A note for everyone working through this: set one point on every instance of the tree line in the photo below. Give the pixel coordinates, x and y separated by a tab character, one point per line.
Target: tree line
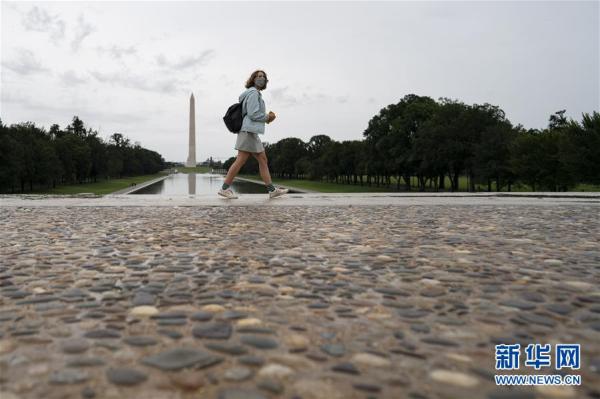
418	143
423	144
32	158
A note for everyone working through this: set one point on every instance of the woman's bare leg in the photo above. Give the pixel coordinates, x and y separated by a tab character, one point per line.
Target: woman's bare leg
263	167
234	169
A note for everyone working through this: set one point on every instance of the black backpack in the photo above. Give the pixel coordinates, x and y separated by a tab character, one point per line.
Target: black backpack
233	118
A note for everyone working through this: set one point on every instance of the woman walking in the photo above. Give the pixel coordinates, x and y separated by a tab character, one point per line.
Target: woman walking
248	142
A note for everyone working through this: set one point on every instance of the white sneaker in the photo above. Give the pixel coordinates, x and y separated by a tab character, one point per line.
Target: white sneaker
277	192
227	193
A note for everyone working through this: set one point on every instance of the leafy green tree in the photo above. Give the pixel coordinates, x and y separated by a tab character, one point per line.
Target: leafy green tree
11	156
99	161
48	169
391	135
114	164
287	152
527	157
77	127
493	154
580	150
302	167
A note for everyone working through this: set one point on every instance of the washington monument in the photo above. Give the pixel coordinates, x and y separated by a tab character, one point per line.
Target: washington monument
191	160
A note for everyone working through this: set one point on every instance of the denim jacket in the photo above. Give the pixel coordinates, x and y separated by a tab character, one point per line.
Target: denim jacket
254	111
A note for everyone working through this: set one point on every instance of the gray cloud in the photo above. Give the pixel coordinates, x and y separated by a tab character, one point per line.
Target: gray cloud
227	81
116	117
186	62
441	10
70	78
116	51
26	63
463	50
39	20
32	104
284	97
132	81
8	97
83	30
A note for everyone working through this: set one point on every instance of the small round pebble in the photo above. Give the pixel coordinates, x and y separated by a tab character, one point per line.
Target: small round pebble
125	376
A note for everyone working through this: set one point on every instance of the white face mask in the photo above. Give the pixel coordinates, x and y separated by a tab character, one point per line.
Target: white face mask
260	82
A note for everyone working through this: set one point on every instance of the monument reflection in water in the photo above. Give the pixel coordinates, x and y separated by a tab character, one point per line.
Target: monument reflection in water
198	183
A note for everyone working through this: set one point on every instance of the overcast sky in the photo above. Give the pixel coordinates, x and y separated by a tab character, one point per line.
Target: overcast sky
129	67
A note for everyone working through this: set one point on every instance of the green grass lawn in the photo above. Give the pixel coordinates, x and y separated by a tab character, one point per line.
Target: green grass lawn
108	186
587	187
325	187
322	187
112	185
101	187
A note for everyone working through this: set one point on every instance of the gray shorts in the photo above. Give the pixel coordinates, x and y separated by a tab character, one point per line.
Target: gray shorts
248	141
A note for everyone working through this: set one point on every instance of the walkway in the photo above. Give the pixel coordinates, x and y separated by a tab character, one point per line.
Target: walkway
324	296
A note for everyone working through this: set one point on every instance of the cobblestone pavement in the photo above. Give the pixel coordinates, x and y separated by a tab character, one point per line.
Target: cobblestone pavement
292	302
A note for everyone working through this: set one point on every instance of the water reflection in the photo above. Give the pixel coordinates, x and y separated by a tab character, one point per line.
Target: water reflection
198	183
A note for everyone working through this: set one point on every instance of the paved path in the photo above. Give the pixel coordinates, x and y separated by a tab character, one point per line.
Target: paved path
329	296
305	199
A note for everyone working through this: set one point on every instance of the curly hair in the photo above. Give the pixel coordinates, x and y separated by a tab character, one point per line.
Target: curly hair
250	81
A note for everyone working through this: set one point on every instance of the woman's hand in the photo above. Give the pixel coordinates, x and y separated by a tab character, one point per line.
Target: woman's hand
271	117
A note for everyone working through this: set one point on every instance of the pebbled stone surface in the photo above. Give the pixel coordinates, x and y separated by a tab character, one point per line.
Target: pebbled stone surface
383	301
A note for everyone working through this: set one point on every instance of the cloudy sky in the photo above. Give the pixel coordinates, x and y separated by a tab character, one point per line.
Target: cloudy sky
130	67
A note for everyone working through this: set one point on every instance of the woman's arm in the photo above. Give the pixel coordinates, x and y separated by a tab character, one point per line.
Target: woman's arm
253	108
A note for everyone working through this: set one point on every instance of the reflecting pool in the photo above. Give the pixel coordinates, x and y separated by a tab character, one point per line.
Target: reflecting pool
198	183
